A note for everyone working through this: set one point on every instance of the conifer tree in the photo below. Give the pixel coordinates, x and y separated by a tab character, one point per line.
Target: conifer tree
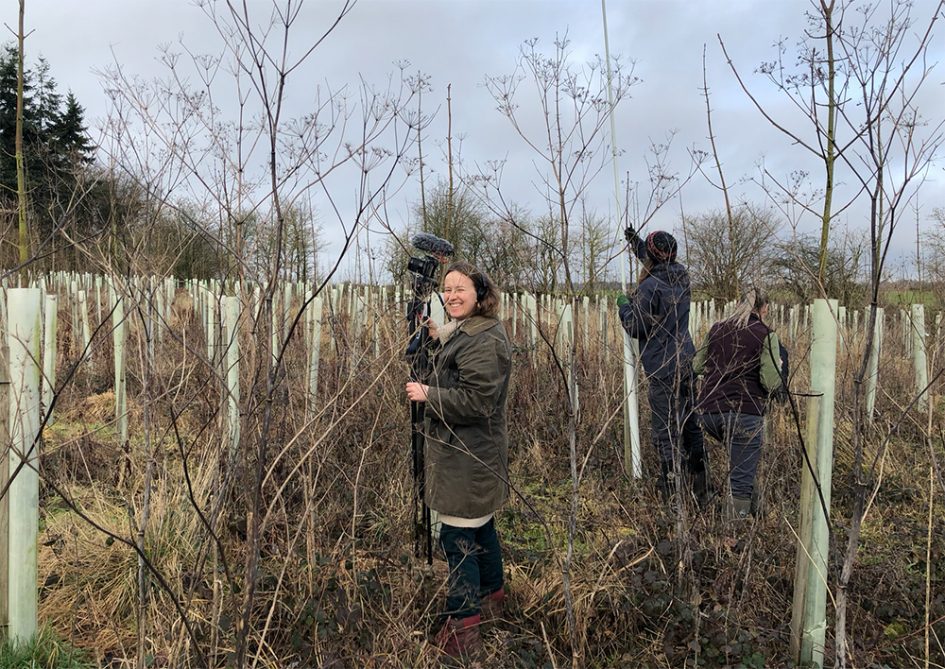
57	151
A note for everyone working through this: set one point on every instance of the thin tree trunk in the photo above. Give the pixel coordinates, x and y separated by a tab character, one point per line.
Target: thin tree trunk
23	237
732	289
577	640
830	149
423	194
449	161
143	581
860	422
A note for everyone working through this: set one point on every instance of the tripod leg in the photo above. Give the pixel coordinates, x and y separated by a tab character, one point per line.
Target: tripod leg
420	512
428	528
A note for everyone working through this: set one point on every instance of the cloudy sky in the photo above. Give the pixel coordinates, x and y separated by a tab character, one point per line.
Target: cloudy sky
462	42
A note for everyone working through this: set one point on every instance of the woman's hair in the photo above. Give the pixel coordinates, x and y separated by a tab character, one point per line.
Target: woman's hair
487	294
753	299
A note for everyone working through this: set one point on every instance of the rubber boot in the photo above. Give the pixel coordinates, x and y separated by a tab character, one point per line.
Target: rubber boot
756	506
699	481
701	489
739	508
460	636
667	482
491	605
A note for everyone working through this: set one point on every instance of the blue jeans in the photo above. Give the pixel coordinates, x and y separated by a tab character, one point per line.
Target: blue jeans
675	423
475	561
743	435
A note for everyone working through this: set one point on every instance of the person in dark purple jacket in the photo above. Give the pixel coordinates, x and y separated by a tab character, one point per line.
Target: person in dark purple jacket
743	365
657	315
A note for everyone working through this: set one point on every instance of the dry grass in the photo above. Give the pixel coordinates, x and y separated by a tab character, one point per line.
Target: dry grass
337	584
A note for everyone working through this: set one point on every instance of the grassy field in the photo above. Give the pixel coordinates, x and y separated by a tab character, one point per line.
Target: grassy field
906	297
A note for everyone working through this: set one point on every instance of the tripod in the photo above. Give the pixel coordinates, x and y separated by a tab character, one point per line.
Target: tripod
418	356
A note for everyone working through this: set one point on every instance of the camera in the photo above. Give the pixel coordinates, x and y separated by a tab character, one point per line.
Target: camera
424	271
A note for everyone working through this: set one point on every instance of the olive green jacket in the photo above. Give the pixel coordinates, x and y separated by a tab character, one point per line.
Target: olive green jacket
467	450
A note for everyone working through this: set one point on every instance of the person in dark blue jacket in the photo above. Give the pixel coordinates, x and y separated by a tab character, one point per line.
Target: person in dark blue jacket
657	314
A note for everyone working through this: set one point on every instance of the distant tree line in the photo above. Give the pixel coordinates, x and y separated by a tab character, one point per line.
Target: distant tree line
724	255
518	249
80	210
723	258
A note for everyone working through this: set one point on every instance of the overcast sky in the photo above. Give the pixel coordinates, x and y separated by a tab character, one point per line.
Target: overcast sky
461	42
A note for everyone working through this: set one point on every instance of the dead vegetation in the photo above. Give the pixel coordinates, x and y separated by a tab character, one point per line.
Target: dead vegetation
337	584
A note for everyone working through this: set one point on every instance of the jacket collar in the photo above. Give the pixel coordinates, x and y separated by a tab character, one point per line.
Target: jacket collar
755	318
672	273
476	324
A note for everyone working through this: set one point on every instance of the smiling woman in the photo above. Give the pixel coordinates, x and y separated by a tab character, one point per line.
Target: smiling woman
467	450
459	296
468	291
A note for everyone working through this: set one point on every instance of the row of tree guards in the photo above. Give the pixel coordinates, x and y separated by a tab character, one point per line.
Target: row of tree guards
97	306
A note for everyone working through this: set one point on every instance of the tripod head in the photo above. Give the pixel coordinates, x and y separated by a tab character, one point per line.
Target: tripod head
423	270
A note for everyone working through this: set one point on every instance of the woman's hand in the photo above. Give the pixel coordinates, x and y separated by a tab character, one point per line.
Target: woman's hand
417	392
433	328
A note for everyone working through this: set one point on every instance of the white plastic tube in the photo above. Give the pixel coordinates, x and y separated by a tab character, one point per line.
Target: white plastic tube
231	319
119	328
50	327
919	357
631	389
531	309
872	369
314	319
84	321
586	321
23	340
809	621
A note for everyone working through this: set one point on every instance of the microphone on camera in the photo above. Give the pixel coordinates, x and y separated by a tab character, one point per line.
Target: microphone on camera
432	244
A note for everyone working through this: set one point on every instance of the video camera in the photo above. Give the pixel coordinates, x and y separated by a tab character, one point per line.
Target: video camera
424	281
424	269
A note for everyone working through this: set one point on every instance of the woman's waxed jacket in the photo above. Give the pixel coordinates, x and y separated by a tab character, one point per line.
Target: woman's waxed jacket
466	463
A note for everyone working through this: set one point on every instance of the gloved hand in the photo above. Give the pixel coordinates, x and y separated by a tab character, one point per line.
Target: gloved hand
622	300
631	235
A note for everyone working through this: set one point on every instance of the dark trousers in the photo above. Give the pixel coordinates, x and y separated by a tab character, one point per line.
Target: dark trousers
742	434
475	561
674	423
